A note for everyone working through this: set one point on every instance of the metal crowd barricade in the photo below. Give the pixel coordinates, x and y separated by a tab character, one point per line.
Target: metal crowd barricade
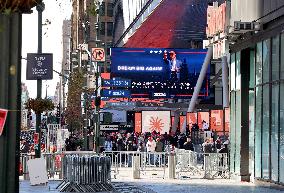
202	165
91	170
149	161
86	173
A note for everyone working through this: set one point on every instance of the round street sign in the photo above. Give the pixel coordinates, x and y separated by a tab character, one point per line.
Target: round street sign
98	54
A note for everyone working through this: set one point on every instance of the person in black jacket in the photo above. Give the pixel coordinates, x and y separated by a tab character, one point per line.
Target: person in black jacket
24	146
188	145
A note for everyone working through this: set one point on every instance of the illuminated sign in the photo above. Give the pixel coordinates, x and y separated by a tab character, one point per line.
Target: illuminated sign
120	104
216	19
116	82
160	94
116	93
173	72
139	68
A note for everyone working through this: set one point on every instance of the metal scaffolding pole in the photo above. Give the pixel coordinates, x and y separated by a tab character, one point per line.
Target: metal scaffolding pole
225	82
200	79
197	88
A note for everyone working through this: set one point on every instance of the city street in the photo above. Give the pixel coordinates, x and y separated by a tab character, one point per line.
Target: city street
127	185
142	96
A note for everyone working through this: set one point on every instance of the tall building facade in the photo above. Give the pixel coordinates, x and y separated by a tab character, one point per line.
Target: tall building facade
256	88
66	61
92	26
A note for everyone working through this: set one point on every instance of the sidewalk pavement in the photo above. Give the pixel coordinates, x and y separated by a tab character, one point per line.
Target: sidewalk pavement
128	185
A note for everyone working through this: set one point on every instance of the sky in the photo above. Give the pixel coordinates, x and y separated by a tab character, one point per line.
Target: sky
55	11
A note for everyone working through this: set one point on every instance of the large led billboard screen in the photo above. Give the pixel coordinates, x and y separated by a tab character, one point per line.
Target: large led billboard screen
160	72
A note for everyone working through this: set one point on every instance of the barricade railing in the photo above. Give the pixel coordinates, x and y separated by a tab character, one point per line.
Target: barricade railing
87	173
204	165
187	163
53	162
148	161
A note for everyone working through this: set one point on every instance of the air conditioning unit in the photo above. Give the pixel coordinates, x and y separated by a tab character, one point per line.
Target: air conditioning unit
242	27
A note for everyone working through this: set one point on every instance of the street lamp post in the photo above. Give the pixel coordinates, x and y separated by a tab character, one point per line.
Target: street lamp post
40	8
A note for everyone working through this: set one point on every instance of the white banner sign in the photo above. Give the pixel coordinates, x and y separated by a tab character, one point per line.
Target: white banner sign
158	121
108	127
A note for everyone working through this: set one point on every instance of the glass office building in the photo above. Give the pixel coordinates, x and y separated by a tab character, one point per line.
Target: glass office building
257	108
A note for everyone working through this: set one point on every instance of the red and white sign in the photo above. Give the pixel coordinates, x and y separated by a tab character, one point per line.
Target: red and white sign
138	117
98	54
158	121
36	138
3	116
216	19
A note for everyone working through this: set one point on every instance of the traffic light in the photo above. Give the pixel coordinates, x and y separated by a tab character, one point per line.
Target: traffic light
58	114
98	101
75	59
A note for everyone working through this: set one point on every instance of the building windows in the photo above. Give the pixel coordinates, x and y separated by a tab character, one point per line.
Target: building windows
274	131
281	137
269	109
232	131
110	9
109	28
266	60
237	132
103	9
275	58
102	28
258	129
266	117
233	74
265	133
252	69
258	64
238	71
282	57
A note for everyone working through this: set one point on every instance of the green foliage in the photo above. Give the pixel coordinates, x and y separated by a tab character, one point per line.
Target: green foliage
73	111
93	10
39	105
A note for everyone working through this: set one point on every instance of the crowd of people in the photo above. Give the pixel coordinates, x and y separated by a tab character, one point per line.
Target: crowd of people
142	142
27	141
155	142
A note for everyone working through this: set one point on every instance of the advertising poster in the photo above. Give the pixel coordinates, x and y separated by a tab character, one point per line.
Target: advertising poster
181	120
138	117
216	120
166	71
227	119
158	121
203	116
191	119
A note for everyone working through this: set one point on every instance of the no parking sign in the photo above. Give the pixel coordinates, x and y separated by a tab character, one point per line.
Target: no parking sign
98	54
